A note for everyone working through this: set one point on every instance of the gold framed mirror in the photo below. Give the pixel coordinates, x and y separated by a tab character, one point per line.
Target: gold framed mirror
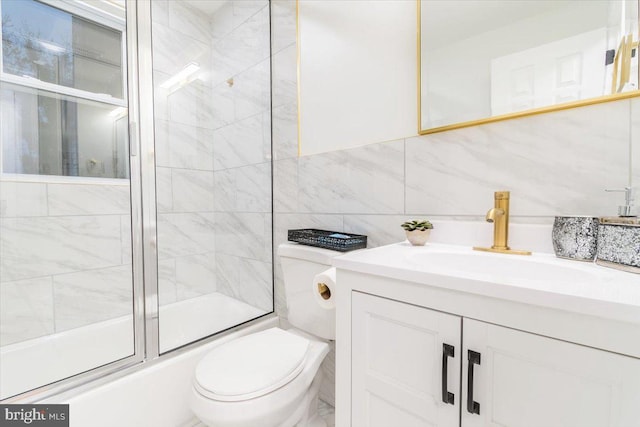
481	61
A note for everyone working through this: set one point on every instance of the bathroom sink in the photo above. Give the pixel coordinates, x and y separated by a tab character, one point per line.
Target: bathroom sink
540	278
496	266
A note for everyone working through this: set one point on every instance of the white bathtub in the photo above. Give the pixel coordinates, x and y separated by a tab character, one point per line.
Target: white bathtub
33	363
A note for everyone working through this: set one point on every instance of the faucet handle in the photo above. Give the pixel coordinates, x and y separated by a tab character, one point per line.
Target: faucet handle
627	208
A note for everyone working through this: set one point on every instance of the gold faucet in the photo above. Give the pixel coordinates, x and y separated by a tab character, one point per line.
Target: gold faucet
499	216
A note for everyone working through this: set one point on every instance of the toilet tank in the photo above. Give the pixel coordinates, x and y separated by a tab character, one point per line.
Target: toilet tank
300	264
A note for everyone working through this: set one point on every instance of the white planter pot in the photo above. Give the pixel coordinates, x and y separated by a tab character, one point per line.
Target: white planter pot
418	237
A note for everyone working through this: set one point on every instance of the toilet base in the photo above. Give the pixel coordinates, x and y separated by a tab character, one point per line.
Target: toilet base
293	405
307	413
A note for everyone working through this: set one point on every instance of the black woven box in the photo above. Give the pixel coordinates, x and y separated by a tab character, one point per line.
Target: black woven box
333	240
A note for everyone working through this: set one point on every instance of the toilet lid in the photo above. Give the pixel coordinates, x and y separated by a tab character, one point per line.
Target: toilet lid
251	366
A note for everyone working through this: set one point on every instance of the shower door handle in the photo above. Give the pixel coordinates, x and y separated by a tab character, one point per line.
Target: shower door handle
133	138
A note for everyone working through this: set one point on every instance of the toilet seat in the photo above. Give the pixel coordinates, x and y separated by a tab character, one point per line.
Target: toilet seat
251	366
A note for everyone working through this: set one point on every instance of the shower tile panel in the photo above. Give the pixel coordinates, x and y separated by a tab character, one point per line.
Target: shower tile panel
283	24
181	234
160	104
222	21
167	292
26	310
190	147
22	199
93	199
254	283
285	82
285	131
243	234
246	9
195	275
243	47
164	190
239	144
191	105
32	247
192	190
268	238
224	182
160	12
92	296
252	90
183	146
174	50
245	279
227	270
125	239
189	20
253	188
223	106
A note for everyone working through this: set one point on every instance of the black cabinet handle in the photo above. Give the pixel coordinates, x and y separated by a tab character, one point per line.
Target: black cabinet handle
474	359
447	352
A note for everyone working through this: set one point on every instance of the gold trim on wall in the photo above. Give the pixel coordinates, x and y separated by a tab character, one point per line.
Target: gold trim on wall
524	113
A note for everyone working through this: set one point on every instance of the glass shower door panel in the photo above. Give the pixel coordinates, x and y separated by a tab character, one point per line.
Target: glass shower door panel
211	71
66	283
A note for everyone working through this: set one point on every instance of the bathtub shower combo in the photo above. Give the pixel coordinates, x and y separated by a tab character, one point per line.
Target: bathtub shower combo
135	184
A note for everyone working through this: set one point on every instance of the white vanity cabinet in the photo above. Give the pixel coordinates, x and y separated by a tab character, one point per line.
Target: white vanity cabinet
406	365
405	360
526	380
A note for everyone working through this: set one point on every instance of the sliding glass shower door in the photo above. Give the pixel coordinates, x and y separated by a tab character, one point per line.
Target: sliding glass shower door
212	122
66	281
135	182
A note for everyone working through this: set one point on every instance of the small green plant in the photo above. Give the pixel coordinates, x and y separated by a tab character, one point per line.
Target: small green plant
417	225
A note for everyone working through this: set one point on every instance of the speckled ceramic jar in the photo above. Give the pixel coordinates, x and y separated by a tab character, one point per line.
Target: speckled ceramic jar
575	237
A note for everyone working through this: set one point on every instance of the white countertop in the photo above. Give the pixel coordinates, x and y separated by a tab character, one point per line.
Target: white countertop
540	279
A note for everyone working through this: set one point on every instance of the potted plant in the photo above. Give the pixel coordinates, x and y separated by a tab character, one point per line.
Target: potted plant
417	231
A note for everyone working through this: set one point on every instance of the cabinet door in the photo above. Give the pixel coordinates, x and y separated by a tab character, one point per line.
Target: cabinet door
526	380
399	352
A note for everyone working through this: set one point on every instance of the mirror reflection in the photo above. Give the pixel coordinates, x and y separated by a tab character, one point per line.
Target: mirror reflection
482	60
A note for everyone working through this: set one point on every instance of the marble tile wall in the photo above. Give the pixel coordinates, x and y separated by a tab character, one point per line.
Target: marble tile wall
241	76
213	147
557	163
184	131
65	256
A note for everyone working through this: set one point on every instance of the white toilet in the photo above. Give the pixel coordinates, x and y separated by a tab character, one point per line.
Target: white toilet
272	378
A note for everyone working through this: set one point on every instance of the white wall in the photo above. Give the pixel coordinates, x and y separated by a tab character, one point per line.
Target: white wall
357	73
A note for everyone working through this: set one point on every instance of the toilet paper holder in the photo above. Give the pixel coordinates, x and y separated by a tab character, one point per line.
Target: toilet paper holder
324	291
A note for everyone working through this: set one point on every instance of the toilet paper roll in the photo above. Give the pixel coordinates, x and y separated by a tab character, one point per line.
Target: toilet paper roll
323	286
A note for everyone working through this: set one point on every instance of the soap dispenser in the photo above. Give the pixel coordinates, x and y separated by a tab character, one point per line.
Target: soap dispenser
619	238
626	210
